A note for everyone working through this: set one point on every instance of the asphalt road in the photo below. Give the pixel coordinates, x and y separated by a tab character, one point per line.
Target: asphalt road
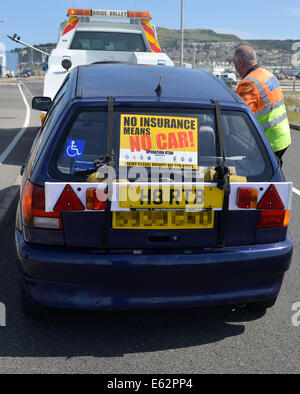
15	116
202	340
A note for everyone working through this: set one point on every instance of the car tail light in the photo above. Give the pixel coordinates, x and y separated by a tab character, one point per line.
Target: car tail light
33	209
247	198
96	200
273	218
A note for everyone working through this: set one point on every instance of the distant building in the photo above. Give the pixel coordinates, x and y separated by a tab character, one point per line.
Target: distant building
12	62
8	62
185	65
205	67
2	59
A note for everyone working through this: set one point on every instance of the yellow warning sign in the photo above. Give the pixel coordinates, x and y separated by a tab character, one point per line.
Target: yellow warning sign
154	140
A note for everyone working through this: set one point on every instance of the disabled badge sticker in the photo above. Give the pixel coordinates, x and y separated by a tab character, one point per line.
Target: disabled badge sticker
74	149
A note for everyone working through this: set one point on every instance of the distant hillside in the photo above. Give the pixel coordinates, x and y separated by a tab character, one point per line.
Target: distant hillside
171	38
282	45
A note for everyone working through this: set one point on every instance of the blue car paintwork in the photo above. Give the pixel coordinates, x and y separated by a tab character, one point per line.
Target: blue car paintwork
78	279
91	278
136	81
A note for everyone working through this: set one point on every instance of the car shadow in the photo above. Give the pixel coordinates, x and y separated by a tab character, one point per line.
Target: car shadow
65	333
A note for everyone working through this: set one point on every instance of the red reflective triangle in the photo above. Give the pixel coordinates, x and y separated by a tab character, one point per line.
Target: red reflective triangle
68	201
270	200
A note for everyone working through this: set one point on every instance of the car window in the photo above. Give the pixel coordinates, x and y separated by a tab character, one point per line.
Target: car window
170	144
84	142
173	139
244	148
50	121
108	41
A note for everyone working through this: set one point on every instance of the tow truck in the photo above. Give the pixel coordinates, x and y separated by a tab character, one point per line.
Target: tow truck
84	39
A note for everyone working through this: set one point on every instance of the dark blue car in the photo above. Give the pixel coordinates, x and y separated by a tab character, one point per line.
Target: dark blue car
209	224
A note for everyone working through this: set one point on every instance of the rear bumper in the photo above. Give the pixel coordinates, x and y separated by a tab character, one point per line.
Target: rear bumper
120	280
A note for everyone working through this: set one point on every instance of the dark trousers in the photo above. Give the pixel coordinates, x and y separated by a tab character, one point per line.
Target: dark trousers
279	154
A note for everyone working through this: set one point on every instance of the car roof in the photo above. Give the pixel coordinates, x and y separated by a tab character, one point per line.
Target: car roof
119	80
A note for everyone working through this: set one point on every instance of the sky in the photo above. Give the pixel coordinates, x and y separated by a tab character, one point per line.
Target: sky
37	21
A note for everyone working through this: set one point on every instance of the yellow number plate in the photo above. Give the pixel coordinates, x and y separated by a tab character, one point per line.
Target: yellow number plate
168	197
163	220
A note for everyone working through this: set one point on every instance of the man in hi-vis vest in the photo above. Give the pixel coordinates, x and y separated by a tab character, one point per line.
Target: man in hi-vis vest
261	90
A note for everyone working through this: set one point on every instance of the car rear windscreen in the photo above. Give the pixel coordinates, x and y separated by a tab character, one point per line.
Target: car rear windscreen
108	41
173	139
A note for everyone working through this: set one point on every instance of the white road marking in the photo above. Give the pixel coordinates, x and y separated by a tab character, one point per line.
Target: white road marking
296	191
14	142
26	87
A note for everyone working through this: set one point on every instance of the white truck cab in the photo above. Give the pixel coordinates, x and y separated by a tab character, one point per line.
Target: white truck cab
84	40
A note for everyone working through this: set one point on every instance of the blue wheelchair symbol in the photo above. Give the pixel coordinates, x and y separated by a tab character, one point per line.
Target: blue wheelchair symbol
74	148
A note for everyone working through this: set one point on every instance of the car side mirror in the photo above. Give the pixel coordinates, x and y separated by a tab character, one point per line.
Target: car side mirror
41	103
66	64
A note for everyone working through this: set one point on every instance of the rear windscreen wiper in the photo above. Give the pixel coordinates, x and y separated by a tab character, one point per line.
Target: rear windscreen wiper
223	178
